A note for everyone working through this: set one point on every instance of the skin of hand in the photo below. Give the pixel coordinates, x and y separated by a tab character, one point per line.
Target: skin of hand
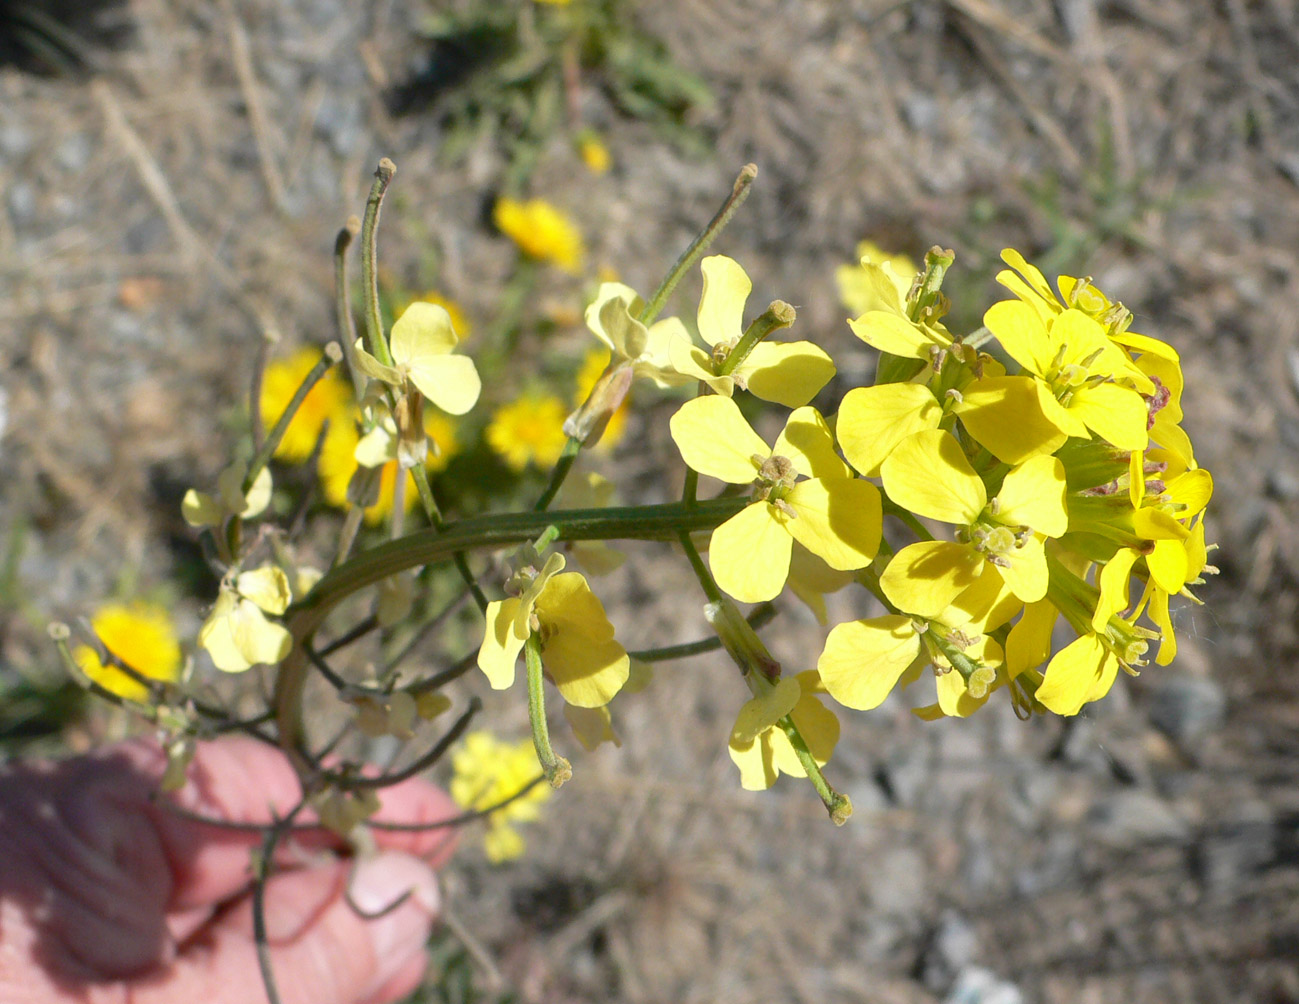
108	896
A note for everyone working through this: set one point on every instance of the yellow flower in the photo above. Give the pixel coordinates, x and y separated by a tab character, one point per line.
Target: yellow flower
760	748
593	366
324	402
929	475
788	373
338	464
1075	379
612	318
595	155
237	634
578	649
528	430
487	771
833	515
886	326
142	636
864	660
422	343
200	509
541	231
858	283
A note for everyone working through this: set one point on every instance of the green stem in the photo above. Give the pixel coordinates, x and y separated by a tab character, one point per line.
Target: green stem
555	767
557	475
739	192
761	615
428	547
343	303
374	339
702	573
263	457
779	315
838	805
937	262
891	508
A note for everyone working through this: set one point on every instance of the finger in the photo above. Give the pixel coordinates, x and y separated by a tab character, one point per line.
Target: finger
322	950
245	781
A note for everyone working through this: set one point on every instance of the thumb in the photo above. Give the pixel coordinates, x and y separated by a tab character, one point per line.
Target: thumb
333	933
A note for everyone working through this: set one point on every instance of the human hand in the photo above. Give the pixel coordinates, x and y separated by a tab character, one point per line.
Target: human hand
109	896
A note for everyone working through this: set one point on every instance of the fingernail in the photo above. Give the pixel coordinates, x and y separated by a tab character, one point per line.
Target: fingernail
380	882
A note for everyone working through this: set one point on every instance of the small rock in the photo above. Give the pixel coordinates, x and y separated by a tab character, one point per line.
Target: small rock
15	140
1128	818
1186	708
1243	840
981	986
898	882
953	948
22	202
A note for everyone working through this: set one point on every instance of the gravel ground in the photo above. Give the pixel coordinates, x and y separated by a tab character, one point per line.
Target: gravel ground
159	215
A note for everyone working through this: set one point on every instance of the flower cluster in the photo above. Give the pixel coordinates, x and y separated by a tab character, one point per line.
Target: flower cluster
1060	480
986	491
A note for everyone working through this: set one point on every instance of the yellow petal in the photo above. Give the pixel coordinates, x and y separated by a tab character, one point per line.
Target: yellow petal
1116	414
806	441
1192	490
892	333
592	726
873	420
756	761
1029	642
691	361
216	636
838	520
954	696
259	495
267	586
749	553
610	319
1020	330
375	370
928	474
761	713
655	361
810	578
1081	671
1158	611
923	578
1155	524
450	381
1033	495
1113	583
721	306
200	509
1025	571
1015	417
579	651
984	606
1168	564
528	600
1031	273
863	660
714	439
1170	435
257	639
788	373
423	330
502	643
1197	554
